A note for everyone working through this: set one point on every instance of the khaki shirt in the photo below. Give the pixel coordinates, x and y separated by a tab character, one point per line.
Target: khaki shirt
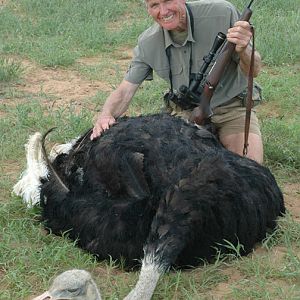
210	17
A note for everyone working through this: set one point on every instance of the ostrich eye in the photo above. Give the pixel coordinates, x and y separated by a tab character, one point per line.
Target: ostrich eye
74	291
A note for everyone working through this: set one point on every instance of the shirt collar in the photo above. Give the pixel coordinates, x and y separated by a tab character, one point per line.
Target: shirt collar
168	39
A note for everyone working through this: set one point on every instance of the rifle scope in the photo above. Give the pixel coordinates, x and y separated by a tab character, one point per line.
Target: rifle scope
190	95
219	40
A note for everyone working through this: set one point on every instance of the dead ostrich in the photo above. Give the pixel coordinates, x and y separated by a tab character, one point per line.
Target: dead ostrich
153	188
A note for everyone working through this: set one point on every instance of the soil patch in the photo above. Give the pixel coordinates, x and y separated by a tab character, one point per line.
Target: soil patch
291	193
64	85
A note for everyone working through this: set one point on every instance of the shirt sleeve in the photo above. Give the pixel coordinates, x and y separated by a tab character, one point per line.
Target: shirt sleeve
138	70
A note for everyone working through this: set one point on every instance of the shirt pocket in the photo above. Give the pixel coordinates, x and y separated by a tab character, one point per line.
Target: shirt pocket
164	73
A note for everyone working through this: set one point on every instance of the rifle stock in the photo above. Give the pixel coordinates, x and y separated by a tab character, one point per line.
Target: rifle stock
202	113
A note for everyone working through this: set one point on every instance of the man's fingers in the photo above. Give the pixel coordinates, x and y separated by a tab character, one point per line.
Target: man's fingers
243	24
102	124
240	34
95	133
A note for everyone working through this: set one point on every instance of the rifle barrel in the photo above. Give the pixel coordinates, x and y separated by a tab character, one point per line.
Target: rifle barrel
250	4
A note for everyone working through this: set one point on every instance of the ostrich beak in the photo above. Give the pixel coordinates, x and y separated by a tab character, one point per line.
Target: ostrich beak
45	296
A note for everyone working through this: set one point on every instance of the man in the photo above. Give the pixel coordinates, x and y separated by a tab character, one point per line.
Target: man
189	34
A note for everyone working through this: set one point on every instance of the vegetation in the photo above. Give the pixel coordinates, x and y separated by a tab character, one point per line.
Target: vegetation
9	70
57	34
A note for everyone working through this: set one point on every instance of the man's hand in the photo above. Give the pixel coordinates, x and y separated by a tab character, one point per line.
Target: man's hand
102	124
115	105
197	116
240	34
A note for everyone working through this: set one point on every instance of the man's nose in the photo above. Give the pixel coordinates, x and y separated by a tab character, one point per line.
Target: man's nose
163	9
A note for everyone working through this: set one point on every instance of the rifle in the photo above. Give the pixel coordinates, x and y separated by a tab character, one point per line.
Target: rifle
202	112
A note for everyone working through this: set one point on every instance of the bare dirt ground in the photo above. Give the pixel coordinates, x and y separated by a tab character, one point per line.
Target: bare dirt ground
65	85
292	199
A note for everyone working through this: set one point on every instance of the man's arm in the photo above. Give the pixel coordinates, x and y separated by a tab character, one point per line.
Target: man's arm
240	34
115	105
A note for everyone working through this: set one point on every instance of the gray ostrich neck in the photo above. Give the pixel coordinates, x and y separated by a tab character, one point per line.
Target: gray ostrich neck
146	284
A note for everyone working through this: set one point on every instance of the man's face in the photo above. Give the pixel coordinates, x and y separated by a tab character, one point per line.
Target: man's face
169	14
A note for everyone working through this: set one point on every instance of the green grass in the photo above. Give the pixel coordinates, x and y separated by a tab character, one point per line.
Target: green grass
277	24
55	34
29	117
280	115
261	271
10	70
24	250
58	32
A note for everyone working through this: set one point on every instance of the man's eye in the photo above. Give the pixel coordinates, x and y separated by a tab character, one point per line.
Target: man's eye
153	5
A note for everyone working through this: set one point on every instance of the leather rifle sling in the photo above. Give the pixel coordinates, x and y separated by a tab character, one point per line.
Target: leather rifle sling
249	101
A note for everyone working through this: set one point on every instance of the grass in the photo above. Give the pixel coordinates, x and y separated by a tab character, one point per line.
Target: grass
58	34
10	70
280	115
276	42
281	127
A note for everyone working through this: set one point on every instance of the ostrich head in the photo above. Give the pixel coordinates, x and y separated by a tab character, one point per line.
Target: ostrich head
79	285
72	285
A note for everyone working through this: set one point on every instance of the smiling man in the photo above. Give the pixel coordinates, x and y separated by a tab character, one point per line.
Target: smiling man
171	15
174	47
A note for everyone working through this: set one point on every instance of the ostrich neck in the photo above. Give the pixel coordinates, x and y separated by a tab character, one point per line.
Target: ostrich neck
146	284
